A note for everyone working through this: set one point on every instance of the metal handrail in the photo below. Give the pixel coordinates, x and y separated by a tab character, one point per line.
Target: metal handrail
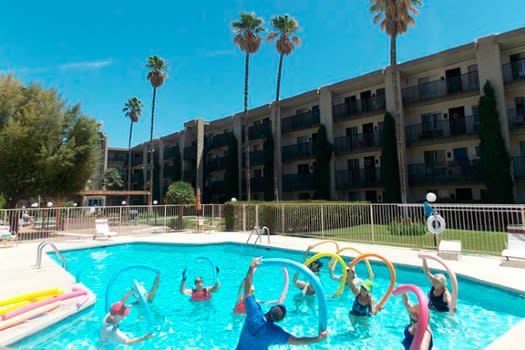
259	231
40	250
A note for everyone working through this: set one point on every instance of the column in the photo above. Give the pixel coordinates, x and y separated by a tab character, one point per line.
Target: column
199	172
237	132
325	107
182	144
277	165
161	170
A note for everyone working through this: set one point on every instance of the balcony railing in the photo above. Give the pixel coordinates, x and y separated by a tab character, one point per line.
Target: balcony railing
353	143
215	163
298	182
518	165
170	152
258	131
256	157
306	120
190	152
516	119
358	178
442	88
455	172
298	151
220	140
440	129
350	109
514	71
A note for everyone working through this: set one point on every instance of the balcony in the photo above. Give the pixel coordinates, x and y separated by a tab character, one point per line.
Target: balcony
171	152
358	178
358	142
258	131
298	151
215	164
516	118
455	172
514	72
190	152
348	110
518	165
301	121
298	182
137	159
220	140
257	184
467	83
215	187
441	129
256	158
189	175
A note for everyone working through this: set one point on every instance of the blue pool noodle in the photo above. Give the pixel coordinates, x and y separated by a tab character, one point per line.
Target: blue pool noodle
314	282
143	302
212	267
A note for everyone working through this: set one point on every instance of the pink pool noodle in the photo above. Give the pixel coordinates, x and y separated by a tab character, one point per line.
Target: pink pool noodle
75	293
282	298
422	323
455	289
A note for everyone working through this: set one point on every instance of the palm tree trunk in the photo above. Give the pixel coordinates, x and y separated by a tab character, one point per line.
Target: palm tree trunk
129	159
279	70
246	145
400	130
151	144
277	116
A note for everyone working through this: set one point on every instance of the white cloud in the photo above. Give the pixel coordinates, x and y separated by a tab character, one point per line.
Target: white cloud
90	65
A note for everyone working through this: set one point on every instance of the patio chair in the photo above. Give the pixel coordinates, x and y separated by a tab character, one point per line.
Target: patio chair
210	227
7	238
449	250
515	244
102	227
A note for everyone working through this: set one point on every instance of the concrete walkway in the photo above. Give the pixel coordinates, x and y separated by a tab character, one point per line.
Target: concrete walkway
18	275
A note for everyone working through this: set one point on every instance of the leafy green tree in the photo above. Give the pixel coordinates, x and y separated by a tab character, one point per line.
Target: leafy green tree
132	110
113	179
493	154
46	147
231	167
180	192
248	38
323	153
390	166
268	182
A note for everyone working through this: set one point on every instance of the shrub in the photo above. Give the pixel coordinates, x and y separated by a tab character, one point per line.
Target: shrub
407	227
180	192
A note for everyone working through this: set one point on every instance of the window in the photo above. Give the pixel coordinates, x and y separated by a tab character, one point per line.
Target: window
434	159
303	139
303	169
257	173
353	196
431	121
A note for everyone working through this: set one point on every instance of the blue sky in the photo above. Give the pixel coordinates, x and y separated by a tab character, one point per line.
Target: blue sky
94	52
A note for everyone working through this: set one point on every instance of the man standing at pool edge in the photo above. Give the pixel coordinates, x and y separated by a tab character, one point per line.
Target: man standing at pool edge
259	330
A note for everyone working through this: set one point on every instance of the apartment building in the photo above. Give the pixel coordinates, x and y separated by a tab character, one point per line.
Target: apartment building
439	95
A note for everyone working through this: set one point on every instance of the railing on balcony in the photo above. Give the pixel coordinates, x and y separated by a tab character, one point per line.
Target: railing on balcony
302	150
219	140
215	163
350	109
298	182
256	157
353	143
440	129
257	184
258	131
468	82
516	118
305	120
190	152
137	159
171	152
518	165
454	172
514	71
358	178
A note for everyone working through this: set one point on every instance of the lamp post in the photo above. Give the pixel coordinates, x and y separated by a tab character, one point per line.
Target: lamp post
155	202
49	205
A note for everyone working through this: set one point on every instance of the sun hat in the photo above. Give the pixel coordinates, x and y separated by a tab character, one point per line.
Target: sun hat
119	309
367	285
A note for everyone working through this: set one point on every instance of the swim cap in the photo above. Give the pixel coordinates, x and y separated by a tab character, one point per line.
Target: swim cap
367	285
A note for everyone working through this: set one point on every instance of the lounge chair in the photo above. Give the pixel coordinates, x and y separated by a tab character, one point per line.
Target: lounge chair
515	243
102	227
208	227
449	250
7	238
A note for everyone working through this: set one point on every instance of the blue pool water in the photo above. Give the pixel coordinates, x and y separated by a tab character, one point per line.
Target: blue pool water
484	313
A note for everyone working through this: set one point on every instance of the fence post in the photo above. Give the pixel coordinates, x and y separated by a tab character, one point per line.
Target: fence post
244	217
372	221
282	220
257	215
322	221
165	218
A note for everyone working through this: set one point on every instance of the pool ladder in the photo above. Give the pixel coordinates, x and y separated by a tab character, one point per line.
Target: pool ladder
40	250
259	231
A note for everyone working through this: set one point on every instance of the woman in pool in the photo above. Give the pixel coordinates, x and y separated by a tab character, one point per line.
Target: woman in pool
305	287
110	332
350	275
240	306
200	293
438	296
410	330
364	302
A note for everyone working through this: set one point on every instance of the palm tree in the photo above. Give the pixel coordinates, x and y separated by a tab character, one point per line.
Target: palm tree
156	77
132	110
394	17
285	28
247	30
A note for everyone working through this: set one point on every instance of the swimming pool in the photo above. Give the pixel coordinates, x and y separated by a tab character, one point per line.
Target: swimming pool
485	313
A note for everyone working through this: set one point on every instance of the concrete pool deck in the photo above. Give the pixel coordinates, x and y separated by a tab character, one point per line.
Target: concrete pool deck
18	274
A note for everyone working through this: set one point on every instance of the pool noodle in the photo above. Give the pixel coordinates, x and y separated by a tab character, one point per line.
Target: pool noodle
338	259
455	288
314	281
143	302
28	315
368	266
422	323
212	267
310	247
31	296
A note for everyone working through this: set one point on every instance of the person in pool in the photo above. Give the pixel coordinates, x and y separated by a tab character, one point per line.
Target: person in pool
410	330
304	286
200	293
350	275
153	291
438	296
259	330
364	302
240	306
110	332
